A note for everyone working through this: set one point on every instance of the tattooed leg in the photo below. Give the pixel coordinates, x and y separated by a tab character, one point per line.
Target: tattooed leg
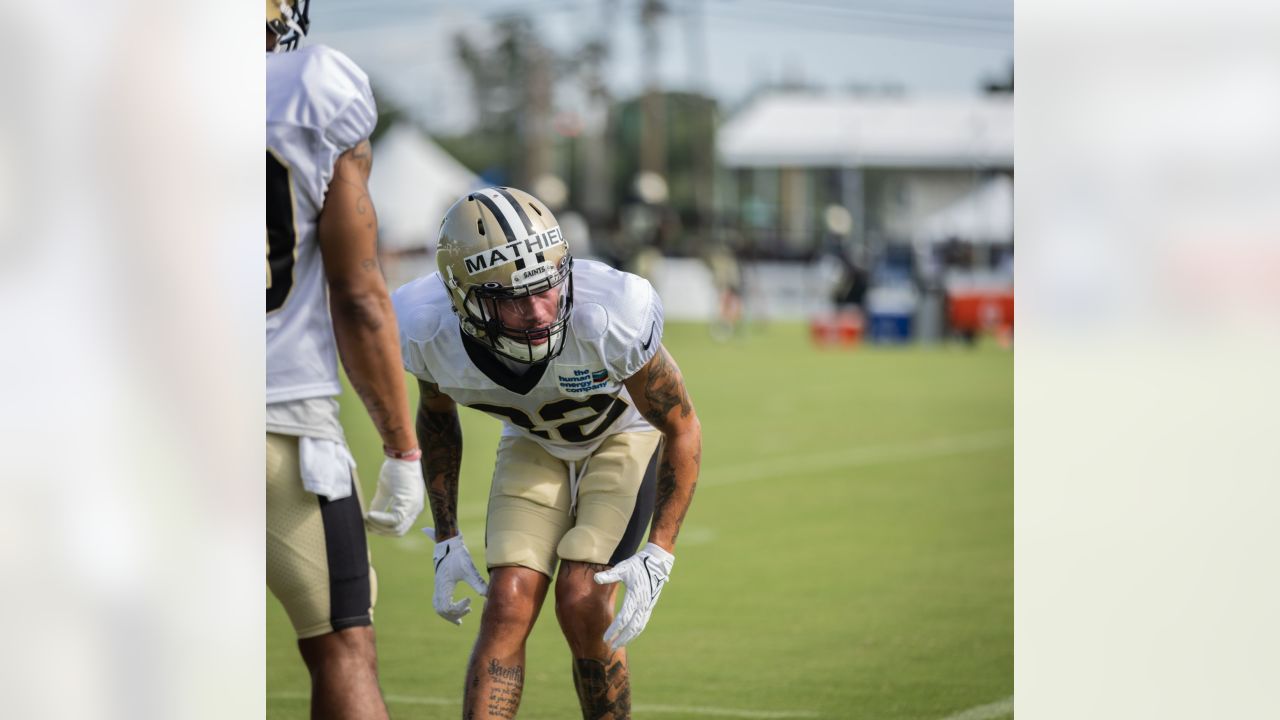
604	688
503	686
585	610
495	675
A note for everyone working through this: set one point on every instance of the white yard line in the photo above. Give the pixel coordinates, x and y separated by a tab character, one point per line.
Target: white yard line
858	456
985	712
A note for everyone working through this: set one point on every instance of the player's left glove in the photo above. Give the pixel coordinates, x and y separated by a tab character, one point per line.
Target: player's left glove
644	574
399	497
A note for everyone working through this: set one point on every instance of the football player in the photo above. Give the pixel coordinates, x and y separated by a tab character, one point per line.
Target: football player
325	298
599	435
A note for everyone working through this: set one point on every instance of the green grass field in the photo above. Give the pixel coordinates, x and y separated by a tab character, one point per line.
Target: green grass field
849	553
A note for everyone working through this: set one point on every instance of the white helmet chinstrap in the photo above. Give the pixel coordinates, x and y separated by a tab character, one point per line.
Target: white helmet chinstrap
501	254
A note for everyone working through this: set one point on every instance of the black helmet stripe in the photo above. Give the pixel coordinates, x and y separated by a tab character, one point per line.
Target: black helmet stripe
489	202
524	217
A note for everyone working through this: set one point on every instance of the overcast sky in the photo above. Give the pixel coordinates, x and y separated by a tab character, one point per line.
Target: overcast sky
925	46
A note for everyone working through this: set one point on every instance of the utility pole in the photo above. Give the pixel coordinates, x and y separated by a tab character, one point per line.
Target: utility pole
653	140
596	186
538	159
703	116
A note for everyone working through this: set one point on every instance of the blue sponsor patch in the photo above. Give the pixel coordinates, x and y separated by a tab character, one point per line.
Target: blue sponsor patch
576	379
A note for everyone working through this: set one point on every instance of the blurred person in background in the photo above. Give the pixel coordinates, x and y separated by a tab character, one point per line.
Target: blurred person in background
726	276
599	435
846	280
325	297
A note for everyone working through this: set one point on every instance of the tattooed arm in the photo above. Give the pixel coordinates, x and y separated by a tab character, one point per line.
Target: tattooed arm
440	436
659	394
364	324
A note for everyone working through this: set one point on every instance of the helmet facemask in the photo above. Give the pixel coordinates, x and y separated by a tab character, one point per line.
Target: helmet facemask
289	20
493	313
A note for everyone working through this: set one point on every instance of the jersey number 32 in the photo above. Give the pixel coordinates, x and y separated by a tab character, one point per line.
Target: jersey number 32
569	418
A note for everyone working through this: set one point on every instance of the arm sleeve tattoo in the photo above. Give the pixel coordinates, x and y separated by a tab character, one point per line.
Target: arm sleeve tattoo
440	436
664	392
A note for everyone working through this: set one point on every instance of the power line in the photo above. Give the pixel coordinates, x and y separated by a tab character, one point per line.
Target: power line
801	11
927	11
829	28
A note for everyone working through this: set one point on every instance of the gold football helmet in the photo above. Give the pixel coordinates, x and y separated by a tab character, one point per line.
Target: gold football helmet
508	271
289	20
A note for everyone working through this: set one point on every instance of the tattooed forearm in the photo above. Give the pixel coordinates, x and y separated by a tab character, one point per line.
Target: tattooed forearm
664	390
384	419
604	689
660	395
440	436
671	506
677	479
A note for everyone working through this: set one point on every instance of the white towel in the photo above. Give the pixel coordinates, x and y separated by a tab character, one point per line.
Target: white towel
327	467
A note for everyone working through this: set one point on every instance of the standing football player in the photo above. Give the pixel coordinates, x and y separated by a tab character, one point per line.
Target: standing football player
326	297
599	435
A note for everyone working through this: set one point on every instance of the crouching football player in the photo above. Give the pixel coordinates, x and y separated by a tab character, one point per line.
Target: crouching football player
599	436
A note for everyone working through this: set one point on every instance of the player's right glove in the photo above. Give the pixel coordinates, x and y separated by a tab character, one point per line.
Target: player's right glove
453	564
398	499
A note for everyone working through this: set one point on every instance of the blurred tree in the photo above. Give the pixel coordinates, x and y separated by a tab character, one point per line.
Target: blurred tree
999	85
688	125
389	113
511	85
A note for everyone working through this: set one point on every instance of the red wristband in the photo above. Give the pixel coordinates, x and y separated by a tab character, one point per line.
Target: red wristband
414	454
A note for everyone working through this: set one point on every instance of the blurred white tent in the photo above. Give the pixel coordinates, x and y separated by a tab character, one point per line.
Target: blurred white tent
414	181
811	130
984	215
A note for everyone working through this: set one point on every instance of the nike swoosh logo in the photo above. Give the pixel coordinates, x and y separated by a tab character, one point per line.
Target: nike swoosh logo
645	345
442	557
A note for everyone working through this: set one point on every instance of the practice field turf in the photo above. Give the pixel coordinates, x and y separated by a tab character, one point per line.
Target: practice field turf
849	553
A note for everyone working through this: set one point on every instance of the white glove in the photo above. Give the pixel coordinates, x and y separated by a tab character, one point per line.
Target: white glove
398	500
644	574
453	564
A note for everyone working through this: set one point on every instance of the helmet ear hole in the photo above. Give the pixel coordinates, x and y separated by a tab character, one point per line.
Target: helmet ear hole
480	225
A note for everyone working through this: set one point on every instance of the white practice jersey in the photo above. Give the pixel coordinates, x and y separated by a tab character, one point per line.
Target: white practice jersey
319	105
568	406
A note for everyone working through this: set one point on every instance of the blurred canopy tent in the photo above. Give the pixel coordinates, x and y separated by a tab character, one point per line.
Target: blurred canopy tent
807	130
985	215
889	162
413	184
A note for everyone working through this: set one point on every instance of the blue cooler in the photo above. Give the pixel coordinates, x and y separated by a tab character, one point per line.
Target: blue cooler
890	309
890	328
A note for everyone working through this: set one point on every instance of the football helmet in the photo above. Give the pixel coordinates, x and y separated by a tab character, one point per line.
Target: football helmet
289	20
507	268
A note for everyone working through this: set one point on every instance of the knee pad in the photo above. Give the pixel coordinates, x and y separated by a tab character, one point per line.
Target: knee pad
514	548
586	544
